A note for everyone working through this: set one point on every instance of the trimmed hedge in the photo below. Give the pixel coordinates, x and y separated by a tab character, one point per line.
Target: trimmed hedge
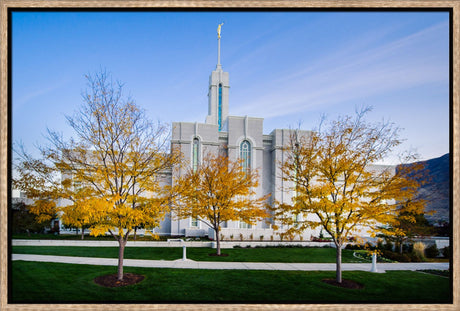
432	251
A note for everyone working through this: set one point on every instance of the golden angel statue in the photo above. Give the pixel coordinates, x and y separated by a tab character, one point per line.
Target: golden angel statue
218	30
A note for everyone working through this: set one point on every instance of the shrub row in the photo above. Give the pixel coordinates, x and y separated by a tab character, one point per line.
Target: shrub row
281	246
408	255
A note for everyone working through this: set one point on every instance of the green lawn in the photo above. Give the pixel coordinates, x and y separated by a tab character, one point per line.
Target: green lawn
33	282
294	254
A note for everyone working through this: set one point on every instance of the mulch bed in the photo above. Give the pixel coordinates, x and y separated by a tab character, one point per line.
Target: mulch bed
221	255
111	280
345	283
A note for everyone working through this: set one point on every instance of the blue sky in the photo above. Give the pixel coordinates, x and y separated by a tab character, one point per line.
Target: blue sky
287	67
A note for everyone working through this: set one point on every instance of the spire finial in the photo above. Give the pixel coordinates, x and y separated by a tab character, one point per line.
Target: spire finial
218	30
218	45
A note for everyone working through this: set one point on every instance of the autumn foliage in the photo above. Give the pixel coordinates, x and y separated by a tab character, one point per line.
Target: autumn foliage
338	188
109	177
218	190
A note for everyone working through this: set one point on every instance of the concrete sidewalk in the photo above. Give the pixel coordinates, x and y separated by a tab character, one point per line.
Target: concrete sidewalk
190	264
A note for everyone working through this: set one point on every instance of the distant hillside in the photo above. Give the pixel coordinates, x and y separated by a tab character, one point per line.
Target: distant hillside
437	189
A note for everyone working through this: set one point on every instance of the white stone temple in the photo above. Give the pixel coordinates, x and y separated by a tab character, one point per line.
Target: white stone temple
241	137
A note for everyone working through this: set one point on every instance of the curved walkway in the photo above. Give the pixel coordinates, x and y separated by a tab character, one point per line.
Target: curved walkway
190	264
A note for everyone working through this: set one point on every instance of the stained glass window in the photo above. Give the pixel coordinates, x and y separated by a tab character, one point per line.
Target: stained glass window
296	170
196	152
220	107
296	219
245	155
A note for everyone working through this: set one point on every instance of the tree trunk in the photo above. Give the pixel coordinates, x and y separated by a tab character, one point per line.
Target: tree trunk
121	252
338	270
82	233
218	241
135	231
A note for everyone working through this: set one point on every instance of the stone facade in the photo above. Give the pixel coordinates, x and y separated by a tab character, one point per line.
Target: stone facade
231	134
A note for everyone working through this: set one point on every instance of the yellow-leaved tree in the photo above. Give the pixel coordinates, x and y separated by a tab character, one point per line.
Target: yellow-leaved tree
216	191
78	214
37	180
337	186
110	174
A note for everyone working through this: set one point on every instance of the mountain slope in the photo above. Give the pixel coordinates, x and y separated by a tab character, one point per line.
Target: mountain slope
437	188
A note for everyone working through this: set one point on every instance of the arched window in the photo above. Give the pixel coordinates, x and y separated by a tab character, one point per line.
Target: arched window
296	168
219	108
296	181
195	163
195	154
296	219
245	155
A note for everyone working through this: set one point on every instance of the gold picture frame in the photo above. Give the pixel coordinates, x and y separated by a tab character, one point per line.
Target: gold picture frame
234	4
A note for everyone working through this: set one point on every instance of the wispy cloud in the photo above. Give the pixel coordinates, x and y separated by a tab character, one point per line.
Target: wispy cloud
354	74
20	100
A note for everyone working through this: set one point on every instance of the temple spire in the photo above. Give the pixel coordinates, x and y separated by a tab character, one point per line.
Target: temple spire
218	46
218	92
